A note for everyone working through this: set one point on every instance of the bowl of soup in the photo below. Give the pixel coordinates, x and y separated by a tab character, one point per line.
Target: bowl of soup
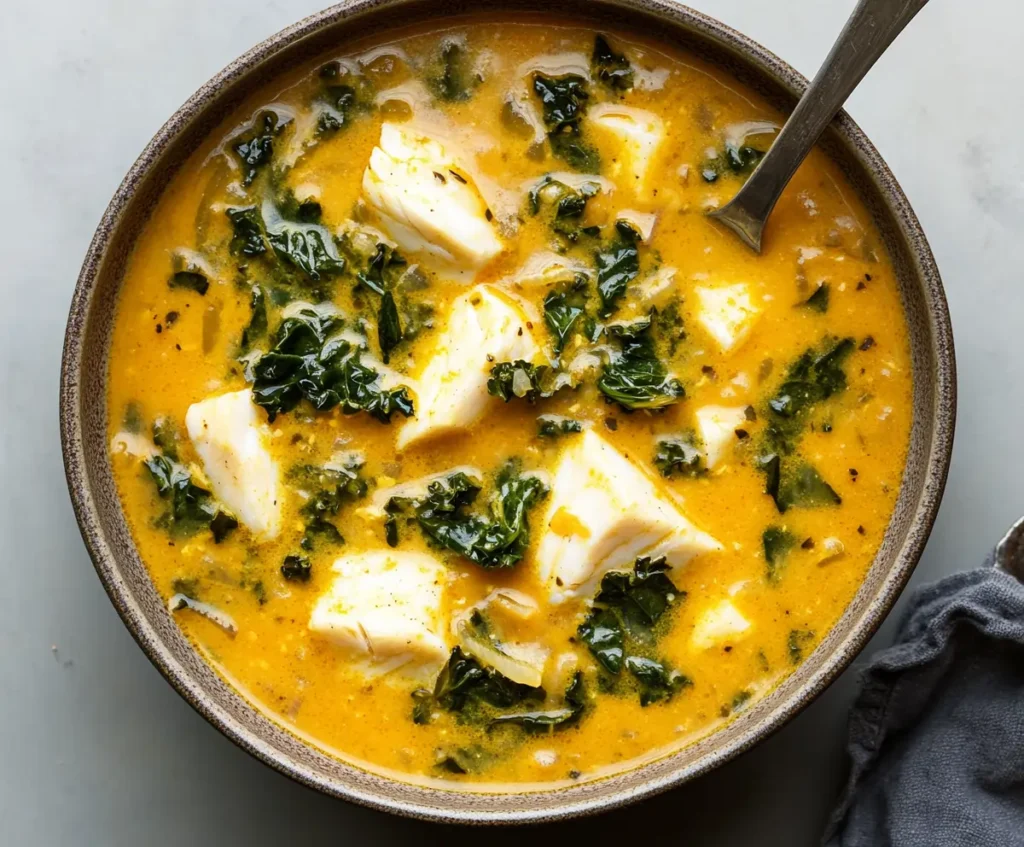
438	448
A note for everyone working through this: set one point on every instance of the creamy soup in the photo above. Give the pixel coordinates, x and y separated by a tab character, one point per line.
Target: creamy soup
464	444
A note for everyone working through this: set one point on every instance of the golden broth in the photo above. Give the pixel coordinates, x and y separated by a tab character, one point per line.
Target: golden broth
173	347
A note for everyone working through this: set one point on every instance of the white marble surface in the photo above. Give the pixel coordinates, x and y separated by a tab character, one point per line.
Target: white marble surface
94	747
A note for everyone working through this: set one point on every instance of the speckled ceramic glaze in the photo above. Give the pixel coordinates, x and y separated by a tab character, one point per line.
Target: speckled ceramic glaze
102	521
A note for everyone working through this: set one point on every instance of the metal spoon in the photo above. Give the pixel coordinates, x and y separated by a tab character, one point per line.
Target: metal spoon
869	31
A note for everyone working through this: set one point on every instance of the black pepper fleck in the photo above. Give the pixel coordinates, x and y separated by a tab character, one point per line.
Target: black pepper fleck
611	423
867	343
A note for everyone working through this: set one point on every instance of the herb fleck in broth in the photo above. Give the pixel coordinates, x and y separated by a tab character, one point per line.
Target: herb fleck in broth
455	411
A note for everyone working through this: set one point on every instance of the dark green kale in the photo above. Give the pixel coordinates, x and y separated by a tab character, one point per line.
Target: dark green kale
255	147
192	280
620	630
604	636
803	486
256	329
568	205
611	68
553	426
248	238
519	379
635	377
191	507
818	301
379	277
564	102
296	569
677	455
618	264
463	760
668	325
306	246
565	312
815	377
549	720
338	101
466	686
378	274
777	543
166	437
308	361
496	539
798	641
389	327
657	680
131	420
328	488
739	701
733	160
453	74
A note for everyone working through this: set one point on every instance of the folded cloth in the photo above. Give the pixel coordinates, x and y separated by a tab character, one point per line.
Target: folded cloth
936	735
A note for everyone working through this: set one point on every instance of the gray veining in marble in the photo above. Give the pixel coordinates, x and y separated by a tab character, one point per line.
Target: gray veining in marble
94	747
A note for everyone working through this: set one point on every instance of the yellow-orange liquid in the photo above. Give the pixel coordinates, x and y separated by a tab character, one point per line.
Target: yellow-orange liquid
819	232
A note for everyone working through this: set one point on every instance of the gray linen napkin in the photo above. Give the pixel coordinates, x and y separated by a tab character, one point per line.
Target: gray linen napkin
936	736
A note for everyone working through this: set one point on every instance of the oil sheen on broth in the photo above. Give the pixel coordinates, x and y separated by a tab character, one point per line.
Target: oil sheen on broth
458	438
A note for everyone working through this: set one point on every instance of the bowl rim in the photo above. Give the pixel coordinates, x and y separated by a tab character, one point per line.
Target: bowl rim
432	805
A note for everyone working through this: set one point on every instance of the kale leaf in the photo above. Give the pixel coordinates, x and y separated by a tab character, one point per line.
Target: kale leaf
464	685
192	280
565	312
453	74
548	720
338	101
308	362
818	301
797	642
553	426
497	539
735	160
307	246
618	264
611	68
777	543
619	631
636	378
389	326
603	634
803	486
658	681
329	487
564	102
518	379
255	147
247	225
816	376
296	569
192	507
677	455
568	205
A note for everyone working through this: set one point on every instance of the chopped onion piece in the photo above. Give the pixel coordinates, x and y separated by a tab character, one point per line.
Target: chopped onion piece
222	619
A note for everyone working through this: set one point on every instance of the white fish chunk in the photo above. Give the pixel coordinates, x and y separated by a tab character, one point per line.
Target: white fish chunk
230	438
719	624
717	427
640	134
603	513
428	204
485	327
384	609
727	314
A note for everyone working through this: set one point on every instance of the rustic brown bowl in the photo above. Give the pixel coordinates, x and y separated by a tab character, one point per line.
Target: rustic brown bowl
83	413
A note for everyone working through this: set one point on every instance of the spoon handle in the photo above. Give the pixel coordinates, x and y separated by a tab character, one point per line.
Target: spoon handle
869	31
